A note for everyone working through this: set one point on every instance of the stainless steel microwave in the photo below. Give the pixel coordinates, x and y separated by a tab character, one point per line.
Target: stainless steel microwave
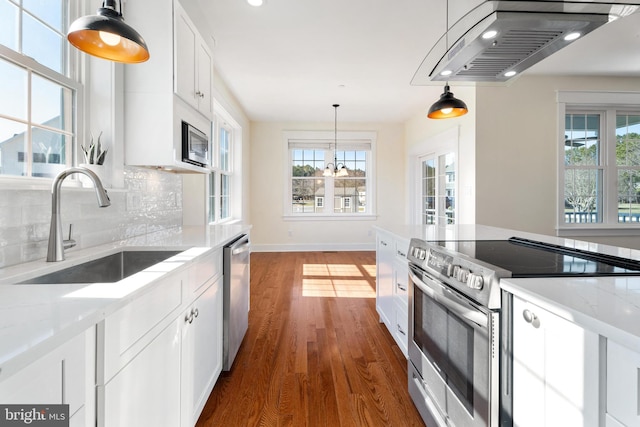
195	146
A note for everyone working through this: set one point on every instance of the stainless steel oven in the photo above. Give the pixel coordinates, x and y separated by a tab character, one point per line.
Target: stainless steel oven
454	357
460	323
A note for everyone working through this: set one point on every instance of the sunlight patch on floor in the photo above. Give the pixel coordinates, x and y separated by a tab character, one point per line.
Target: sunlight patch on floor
337	280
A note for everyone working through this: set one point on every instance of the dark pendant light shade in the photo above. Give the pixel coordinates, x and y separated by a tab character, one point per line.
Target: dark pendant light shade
107	36
447	106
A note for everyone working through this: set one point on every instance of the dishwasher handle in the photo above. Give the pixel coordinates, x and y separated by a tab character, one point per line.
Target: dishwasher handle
241	245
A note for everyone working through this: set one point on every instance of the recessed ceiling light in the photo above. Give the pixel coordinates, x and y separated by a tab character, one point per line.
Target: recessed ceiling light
510	73
489	34
255	3
445	72
572	36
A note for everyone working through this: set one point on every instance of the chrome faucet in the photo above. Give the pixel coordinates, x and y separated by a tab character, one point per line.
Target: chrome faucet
56	247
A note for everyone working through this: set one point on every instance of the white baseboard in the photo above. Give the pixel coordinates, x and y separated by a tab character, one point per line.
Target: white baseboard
310	247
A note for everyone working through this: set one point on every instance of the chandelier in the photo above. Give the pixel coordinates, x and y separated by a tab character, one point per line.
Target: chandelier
335	168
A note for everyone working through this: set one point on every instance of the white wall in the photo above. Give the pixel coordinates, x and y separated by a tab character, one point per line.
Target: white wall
269	170
516	152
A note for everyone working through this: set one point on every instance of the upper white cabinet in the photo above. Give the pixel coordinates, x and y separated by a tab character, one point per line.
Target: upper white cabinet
193	64
392	276
153	113
555	370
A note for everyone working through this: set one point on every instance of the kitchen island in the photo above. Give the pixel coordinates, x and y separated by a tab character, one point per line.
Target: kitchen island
102	328
575	340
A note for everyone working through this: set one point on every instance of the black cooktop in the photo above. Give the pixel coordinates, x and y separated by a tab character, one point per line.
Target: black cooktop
529	258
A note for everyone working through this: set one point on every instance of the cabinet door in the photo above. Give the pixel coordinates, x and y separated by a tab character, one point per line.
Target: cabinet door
146	392
555	370
185	57
623	381
385	254
65	375
201	351
205	80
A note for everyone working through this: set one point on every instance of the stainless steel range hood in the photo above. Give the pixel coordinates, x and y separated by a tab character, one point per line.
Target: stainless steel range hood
525	33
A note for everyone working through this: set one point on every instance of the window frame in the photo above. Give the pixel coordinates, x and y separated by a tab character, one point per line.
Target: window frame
223	120
325	140
72	80
608	105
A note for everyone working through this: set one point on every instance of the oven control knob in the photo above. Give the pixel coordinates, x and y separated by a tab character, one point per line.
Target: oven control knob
460	273
475	281
451	269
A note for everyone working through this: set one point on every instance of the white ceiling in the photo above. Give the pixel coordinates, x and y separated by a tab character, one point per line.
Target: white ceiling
290	60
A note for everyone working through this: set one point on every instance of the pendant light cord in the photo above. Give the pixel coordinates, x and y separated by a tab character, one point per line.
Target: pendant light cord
335	136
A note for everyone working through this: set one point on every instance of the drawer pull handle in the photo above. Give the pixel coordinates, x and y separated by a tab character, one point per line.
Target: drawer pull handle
400	330
401	287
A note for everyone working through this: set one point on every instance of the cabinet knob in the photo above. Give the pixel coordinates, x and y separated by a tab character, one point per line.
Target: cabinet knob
531	318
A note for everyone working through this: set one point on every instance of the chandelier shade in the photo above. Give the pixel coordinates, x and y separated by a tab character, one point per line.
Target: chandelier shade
107	36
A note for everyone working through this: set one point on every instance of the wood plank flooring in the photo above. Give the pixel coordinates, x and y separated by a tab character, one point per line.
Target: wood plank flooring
315	353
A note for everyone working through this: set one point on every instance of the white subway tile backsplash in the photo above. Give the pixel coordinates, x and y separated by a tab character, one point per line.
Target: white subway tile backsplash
149	207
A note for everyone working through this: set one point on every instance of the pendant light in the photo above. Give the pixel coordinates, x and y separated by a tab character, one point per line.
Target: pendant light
107	36
335	168
448	105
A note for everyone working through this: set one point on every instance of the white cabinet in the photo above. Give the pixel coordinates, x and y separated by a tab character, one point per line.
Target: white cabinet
153	113
146	392
623	383
201	351
392	278
193	64
65	375
555	370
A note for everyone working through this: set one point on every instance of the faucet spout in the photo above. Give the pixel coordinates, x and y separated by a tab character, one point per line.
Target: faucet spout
55	251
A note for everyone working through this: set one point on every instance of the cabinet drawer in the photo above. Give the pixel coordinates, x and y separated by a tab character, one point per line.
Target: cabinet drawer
401	328
401	283
126	332
203	270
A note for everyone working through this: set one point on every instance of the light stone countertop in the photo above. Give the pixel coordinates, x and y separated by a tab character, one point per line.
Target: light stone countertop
35	319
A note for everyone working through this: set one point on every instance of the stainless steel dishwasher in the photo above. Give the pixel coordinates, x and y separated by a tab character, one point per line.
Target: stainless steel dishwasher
236	257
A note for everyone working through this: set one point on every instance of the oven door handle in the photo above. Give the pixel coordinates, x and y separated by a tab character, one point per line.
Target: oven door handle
463	308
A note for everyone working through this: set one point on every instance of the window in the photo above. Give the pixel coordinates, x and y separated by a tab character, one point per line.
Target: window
312	194
37	95
602	167
599	163
221	179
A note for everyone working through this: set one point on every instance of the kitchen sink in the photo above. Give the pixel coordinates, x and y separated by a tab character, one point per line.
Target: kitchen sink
108	269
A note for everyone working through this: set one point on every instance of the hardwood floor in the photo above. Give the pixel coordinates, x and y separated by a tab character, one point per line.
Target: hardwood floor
315	353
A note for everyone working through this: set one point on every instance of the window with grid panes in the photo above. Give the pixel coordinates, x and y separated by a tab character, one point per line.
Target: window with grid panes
37	89
312	193
601	178
220	178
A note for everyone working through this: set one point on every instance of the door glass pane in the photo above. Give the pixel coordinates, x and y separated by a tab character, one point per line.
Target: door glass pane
582	139
49	150
13	148
50	103
9	33
13	90
582	188
42	44
305	195
447	188
429	191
